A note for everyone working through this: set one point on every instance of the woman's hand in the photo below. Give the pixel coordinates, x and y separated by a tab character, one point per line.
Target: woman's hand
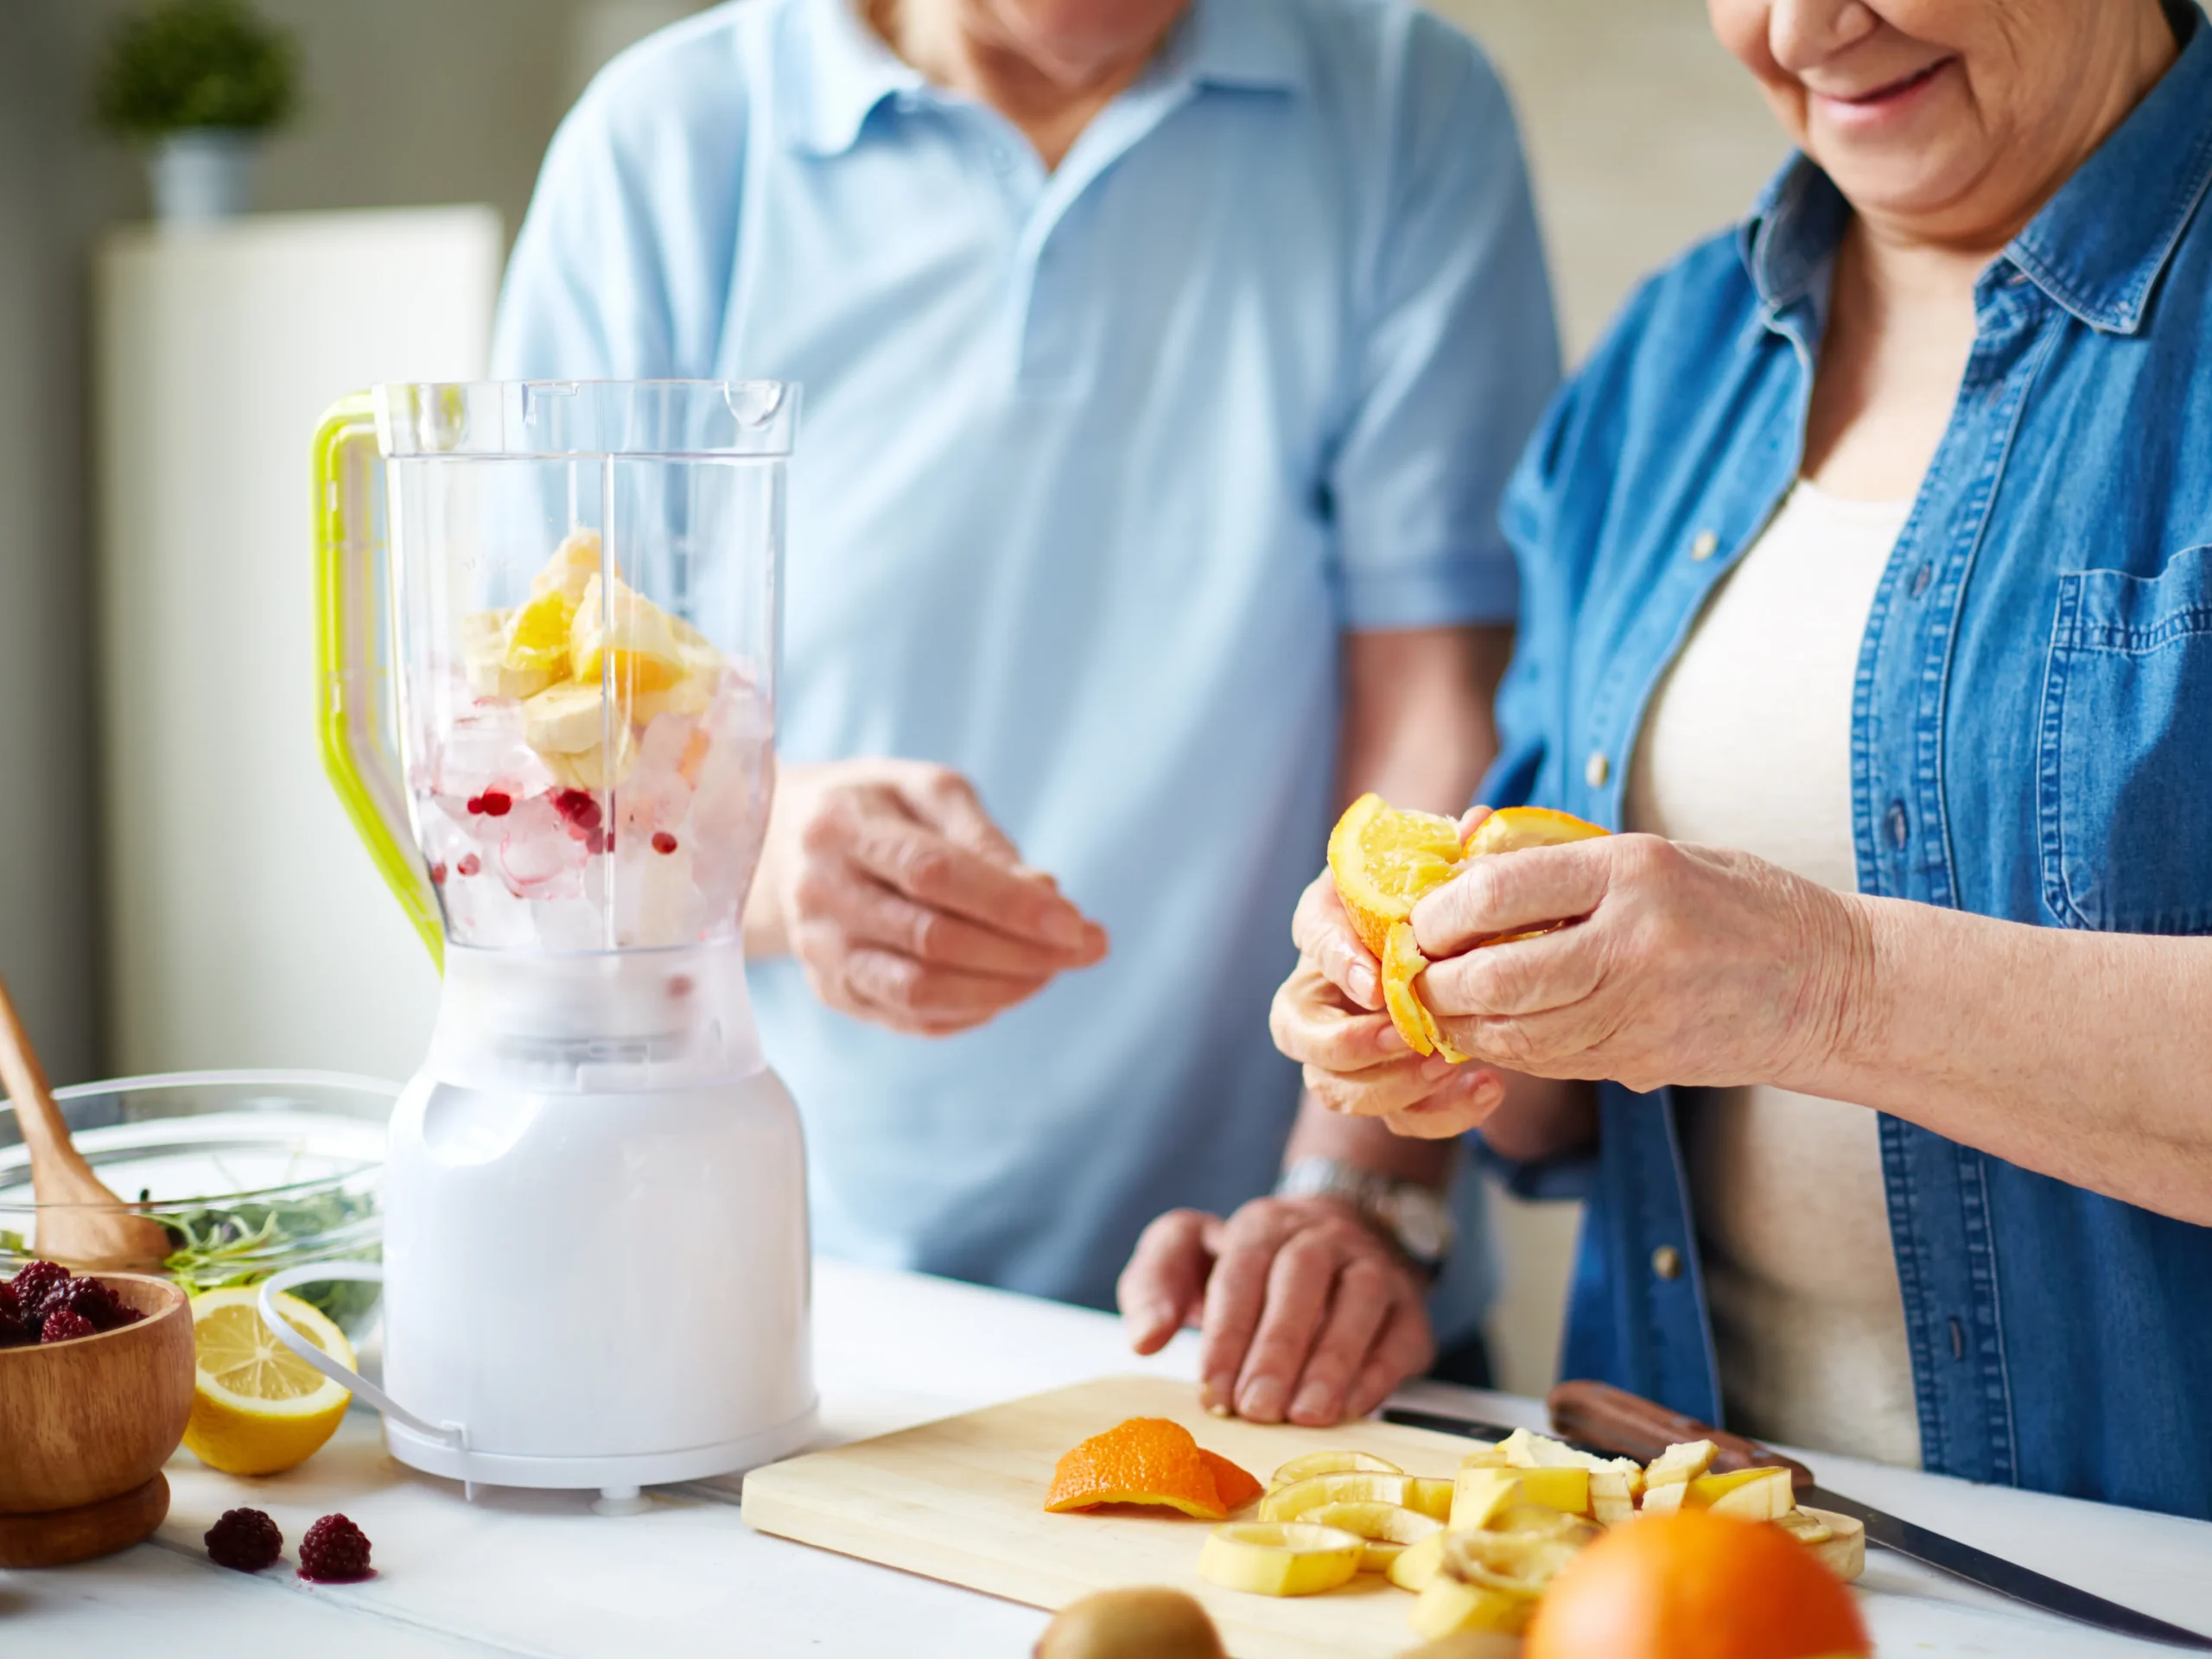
1678	964
1327	1016
905	903
1308	1312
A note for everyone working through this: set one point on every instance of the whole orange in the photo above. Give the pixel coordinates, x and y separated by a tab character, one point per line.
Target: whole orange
1696	1586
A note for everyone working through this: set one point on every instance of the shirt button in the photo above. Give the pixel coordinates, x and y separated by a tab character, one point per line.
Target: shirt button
1667	1262
1899	825
1920	578
1704	546
1597	769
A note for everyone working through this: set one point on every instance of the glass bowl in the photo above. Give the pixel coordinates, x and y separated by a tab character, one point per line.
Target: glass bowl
250	1172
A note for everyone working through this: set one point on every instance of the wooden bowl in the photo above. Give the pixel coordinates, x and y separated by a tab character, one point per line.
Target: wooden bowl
86	1426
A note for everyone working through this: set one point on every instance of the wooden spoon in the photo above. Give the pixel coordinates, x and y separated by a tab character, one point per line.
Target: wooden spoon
80	1222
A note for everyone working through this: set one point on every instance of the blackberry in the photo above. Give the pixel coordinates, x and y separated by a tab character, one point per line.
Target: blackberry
245	1540
90	1298
335	1551
35	1283
62	1325
12	1328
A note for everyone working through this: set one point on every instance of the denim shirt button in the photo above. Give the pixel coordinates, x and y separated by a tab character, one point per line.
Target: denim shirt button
1920	578
1597	769
1704	546
1667	1262
1900	826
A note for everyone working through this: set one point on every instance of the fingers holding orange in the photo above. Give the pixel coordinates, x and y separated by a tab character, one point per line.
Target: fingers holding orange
1384	862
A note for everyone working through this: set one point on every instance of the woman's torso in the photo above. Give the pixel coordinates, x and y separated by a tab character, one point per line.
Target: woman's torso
2030	732
1748	744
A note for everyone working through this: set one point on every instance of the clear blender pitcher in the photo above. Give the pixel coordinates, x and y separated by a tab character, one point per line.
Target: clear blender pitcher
548	627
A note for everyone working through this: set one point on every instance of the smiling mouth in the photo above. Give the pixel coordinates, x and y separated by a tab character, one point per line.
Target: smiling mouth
1893	90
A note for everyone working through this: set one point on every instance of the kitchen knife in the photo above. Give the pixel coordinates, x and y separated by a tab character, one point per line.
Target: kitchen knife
1611	1422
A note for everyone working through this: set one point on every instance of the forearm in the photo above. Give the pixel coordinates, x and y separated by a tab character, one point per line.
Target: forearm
1542	1118
1417	727
2087	1056
1367	1143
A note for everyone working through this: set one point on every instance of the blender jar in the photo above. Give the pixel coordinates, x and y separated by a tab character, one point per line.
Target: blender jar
576	582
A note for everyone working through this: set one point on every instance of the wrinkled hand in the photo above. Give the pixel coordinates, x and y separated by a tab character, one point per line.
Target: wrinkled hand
1308	1312
1326	1017
1682	964
904	903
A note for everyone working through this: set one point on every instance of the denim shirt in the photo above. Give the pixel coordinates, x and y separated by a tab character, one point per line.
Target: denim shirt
2032	740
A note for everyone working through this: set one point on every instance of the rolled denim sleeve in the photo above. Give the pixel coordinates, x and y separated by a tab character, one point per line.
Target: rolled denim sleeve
1460	355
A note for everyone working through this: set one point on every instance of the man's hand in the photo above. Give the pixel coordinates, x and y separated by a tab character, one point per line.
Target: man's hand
905	903
1308	1312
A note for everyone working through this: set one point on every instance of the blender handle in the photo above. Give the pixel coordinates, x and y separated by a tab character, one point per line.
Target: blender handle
366	1273
350	695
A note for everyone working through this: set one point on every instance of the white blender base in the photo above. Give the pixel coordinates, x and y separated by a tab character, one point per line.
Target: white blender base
618	1477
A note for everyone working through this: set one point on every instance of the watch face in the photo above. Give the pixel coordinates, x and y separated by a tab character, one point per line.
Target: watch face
1423	1226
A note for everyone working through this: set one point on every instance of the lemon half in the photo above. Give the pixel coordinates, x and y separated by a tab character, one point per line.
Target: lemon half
258	1408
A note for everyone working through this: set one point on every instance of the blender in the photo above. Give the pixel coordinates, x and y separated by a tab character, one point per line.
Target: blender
548	617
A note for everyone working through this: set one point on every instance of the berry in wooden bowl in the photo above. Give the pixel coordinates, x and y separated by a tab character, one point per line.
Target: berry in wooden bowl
87	1419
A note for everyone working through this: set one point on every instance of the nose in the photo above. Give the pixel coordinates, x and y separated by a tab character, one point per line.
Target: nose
1803	33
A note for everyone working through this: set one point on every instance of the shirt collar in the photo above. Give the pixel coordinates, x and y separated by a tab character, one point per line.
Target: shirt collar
837	70
2098	246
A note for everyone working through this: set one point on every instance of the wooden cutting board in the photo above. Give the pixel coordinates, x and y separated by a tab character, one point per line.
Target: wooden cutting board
962	1500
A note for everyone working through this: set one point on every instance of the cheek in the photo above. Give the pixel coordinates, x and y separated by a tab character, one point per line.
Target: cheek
1741	26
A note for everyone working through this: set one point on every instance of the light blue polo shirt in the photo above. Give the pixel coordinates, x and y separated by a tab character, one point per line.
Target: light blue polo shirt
1094	469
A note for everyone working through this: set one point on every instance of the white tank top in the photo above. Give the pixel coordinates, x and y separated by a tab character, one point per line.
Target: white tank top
1748	744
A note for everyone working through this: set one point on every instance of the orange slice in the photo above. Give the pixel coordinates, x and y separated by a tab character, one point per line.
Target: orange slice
1383	861
1149	1460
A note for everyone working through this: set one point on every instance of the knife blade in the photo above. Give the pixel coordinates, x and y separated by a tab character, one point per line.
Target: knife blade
1597	1418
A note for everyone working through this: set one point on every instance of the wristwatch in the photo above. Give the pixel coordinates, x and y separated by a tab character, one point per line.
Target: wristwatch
1414	1217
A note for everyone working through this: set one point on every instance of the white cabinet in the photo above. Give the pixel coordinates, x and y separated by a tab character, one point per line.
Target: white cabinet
243	922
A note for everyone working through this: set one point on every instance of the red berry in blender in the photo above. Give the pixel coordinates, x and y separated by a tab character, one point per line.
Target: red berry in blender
469	864
438	874
62	1325
244	1540
335	1551
663	842
496	803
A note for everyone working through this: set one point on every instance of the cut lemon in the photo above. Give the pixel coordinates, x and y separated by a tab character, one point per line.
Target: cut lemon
257	1408
1383	861
1268	1558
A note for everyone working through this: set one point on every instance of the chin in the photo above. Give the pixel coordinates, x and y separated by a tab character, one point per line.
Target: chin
1899	183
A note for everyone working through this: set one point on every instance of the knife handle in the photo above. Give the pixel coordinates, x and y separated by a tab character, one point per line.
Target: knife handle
1625	1425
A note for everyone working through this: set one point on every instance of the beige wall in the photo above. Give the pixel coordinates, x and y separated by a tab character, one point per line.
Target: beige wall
408	102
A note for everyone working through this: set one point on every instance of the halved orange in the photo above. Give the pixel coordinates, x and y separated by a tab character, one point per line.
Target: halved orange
1383	861
1149	1460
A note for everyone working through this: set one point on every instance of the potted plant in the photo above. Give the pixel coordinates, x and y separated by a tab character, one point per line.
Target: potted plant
198	82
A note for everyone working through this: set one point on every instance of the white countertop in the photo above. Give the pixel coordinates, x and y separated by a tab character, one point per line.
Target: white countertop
538	1573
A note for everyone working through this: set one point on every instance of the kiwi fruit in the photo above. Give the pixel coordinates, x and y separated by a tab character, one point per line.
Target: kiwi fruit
1139	1623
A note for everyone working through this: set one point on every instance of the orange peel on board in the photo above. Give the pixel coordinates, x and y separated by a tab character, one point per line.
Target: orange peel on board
1383	861
1149	1460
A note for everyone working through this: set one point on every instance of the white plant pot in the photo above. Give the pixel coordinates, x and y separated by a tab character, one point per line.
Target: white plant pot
202	174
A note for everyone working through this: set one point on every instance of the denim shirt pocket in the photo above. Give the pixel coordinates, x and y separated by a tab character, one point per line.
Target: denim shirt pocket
2124	761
